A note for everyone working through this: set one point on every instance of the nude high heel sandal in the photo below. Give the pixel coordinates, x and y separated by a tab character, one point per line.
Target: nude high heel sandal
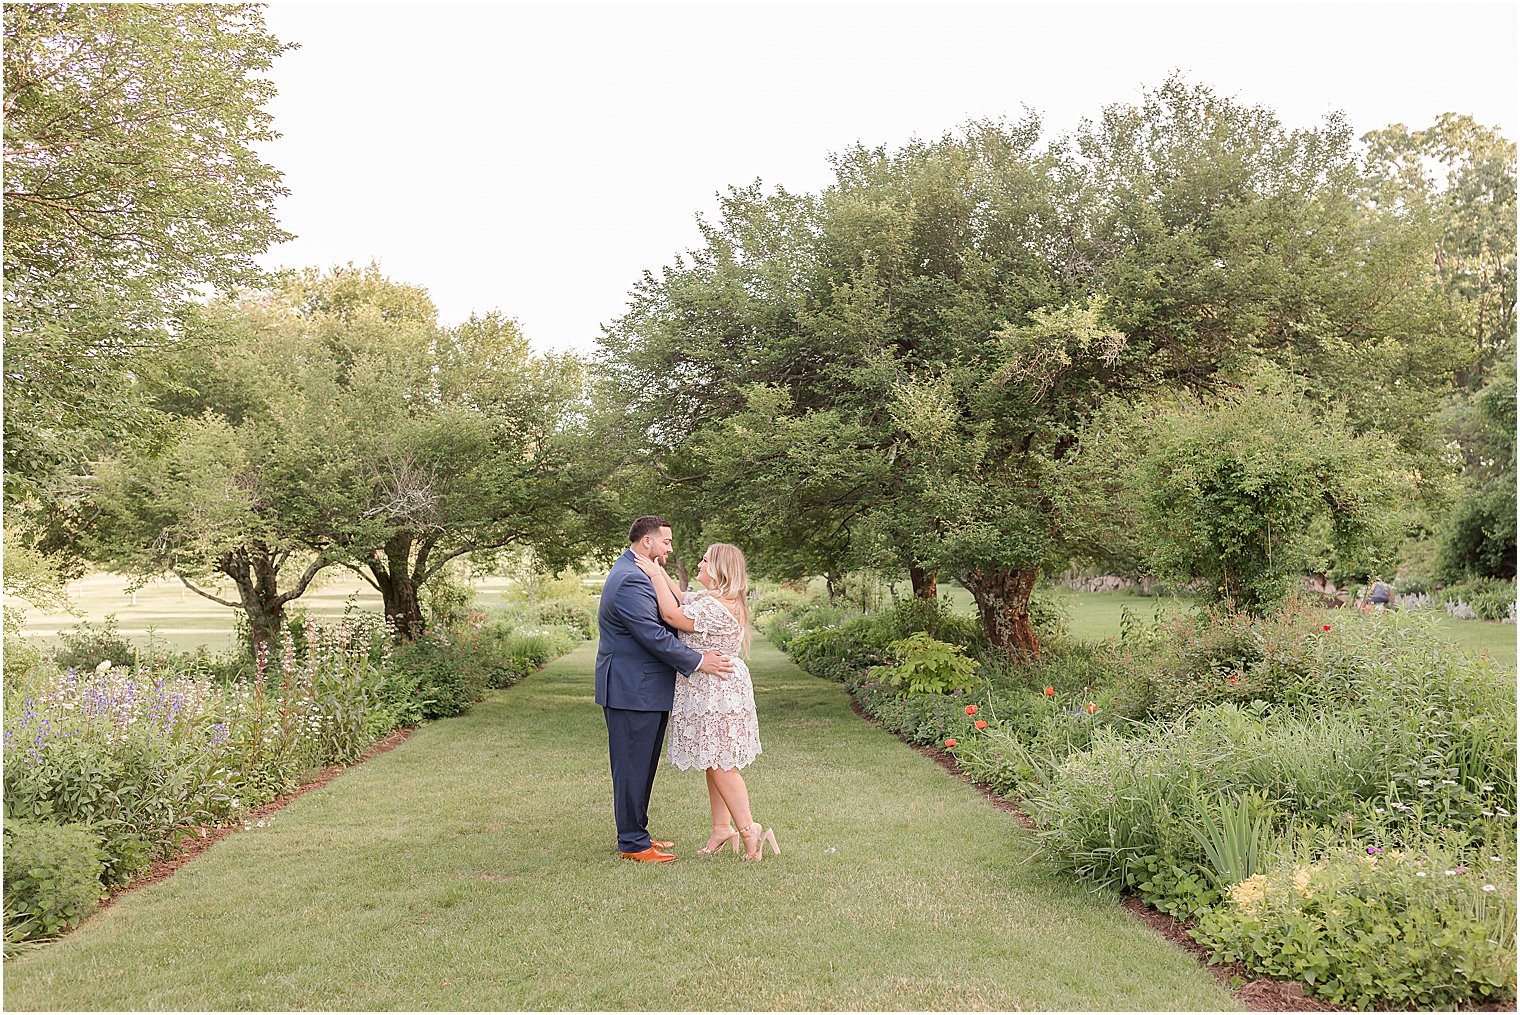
761	838
732	837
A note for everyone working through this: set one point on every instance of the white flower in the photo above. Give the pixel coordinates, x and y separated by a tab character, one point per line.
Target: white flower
105	664
1422	782
1489	888
1488	814
1378	810
1488	787
1448	782
1421	874
1502	811
1398	806
1451	874
1497	859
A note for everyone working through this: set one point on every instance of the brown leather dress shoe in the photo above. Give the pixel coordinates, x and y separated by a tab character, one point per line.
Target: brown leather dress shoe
650	855
660	844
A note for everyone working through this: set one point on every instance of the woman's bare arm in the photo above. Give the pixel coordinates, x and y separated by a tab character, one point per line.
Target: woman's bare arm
668	594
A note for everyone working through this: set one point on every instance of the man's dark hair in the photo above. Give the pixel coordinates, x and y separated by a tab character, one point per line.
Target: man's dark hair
643	526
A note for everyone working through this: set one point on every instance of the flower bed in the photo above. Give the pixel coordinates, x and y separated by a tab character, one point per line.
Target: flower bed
1201	754
127	764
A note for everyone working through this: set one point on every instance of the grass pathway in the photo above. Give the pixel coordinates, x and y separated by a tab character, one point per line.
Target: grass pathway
474	868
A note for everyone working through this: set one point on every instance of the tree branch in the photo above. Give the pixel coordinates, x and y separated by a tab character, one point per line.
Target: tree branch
300	589
361	572
203	592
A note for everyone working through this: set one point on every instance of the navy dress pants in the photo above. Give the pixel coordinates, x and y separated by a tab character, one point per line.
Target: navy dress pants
634	740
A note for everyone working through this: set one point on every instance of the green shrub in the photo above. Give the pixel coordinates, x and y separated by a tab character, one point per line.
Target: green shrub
767	599
924	665
1375	928
87	645
936	618
1486	598
783	627
52	877
526	651
568	613
838	652
447	600
445	671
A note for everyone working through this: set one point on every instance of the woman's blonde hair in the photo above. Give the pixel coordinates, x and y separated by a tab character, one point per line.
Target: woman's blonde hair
725	564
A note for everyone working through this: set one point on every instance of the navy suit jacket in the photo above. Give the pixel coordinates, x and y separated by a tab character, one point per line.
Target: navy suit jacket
637	653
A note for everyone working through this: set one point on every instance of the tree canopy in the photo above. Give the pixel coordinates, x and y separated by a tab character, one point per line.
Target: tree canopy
893	371
131	186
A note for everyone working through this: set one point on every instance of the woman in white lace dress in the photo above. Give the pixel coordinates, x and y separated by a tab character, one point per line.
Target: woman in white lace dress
712	723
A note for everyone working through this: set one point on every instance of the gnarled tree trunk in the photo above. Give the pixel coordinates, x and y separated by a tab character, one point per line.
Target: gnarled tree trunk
393	577
255	570
925	582
1002	599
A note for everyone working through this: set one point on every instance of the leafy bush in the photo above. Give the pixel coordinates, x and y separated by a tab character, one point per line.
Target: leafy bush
767	599
445	671
87	645
785	626
924	665
936	618
1375	928
144	757
1479	599
525	651
573	614
52	877
446	599
837	652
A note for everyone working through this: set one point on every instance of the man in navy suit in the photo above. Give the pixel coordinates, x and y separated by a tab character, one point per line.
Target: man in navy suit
637	656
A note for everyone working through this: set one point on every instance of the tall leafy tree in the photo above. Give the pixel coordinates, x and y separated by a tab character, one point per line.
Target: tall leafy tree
951	314
131	182
356	432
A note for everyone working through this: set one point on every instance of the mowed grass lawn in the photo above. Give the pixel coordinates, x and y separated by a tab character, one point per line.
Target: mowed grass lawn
474	868
166	611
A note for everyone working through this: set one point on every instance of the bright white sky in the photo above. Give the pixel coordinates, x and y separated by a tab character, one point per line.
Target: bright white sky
536	159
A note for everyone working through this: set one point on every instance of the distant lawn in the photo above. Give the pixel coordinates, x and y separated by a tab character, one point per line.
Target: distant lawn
184	620
474	868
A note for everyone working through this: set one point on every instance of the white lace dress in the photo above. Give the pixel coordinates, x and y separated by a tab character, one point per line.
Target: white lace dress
712	723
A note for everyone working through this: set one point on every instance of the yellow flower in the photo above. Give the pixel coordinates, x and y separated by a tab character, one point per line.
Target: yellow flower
1249	892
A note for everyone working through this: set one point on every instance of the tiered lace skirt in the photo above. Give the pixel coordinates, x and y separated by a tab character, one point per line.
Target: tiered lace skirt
713	723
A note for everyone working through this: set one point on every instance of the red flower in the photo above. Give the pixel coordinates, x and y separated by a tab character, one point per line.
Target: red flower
1234	676
1092	709
971	710
1327	627
981	724
1050	691
950	742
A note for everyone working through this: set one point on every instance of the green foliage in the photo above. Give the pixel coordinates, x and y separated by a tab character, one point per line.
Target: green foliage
1247	494
1486	598
86	645
926	335
1478	536
333	420
1384	929
925	665
132	180
145	757
841	650
1236	836
52	877
447	600
569	613
445	671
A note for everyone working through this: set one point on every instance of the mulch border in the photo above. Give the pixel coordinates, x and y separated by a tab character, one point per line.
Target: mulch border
206	836
1256	994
